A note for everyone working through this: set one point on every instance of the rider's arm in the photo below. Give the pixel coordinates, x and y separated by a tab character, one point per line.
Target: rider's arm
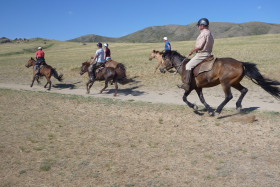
194	51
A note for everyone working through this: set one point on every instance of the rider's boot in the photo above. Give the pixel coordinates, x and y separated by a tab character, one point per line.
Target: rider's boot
187	81
38	71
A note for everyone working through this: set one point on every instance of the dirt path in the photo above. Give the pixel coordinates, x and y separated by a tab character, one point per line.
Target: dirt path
255	99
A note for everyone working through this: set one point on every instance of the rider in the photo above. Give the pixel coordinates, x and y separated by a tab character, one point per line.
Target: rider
40	56
167	44
107	52
97	60
203	48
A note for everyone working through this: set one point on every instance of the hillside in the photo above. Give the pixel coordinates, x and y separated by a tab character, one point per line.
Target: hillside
187	32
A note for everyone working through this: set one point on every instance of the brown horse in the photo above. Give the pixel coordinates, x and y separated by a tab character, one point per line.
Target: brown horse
158	56
117	75
111	63
226	71
45	70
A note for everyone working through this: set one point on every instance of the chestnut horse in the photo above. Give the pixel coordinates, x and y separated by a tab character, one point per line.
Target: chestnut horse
117	75
45	70
158	56
226	71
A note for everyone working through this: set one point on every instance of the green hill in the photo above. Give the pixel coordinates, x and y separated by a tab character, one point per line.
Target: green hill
187	32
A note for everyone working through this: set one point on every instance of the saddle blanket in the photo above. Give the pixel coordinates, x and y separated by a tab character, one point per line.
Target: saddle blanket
204	66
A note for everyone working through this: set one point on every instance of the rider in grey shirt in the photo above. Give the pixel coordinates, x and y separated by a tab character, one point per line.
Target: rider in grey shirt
97	60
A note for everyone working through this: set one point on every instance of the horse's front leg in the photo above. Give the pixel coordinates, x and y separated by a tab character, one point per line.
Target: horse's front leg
191	105
32	82
202	100
89	85
159	63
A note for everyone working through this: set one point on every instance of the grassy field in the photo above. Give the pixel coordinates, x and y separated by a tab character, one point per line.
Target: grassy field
67	57
60	140
50	139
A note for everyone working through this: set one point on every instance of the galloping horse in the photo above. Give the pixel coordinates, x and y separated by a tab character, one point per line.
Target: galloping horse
117	75
45	70
226	71
158	56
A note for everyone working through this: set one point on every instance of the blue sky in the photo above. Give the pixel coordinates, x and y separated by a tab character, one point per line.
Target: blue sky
68	19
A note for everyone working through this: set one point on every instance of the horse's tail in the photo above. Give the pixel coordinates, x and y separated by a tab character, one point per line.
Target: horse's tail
253	73
121	69
55	74
121	74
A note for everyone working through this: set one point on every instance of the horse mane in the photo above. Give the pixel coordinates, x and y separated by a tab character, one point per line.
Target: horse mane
173	54
159	52
86	63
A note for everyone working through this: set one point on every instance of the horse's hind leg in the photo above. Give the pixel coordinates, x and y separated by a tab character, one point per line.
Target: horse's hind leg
202	100
191	105
116	88
48	83
106	85
228	97
243	91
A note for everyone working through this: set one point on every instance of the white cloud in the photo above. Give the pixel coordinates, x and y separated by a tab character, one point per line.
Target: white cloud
259	7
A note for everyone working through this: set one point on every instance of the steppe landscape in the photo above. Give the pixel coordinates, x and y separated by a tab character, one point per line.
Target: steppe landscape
146	136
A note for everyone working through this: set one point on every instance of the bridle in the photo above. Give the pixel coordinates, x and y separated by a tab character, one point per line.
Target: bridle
177	69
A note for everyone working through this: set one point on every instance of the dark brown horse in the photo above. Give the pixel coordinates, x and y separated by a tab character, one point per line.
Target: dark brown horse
226	71
117	75
45	70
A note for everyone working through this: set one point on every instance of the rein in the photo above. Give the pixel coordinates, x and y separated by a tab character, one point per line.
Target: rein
177	69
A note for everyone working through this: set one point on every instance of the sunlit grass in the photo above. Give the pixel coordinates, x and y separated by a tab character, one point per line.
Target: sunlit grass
67	57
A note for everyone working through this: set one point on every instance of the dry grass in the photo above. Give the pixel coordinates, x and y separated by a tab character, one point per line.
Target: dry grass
60	140
67	57
49	139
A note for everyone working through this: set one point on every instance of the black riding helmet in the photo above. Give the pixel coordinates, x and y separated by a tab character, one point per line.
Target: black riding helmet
203	21
99	44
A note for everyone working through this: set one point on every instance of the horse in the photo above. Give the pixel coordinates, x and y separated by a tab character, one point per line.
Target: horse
158	56
45	70
109	63
225	71
117	75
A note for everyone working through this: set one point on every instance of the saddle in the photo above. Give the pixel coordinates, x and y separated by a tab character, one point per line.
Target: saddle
204	66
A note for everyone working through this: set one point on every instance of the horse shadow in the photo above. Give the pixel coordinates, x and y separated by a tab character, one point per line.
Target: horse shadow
127	91
243	111
66	86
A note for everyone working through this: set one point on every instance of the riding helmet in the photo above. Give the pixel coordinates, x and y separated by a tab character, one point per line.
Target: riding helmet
99	44
203	21
106	45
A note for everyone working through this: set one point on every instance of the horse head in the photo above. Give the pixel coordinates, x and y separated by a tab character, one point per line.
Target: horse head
153	55
167	64
84	67
30	62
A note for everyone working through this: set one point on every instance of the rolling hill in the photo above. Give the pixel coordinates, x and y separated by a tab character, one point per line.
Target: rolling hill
187	32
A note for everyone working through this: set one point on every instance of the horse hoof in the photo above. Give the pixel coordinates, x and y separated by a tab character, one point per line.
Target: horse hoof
211	113
195	107
216	114
239	109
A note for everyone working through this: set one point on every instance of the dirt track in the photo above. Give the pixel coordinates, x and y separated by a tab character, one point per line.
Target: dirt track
256	98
